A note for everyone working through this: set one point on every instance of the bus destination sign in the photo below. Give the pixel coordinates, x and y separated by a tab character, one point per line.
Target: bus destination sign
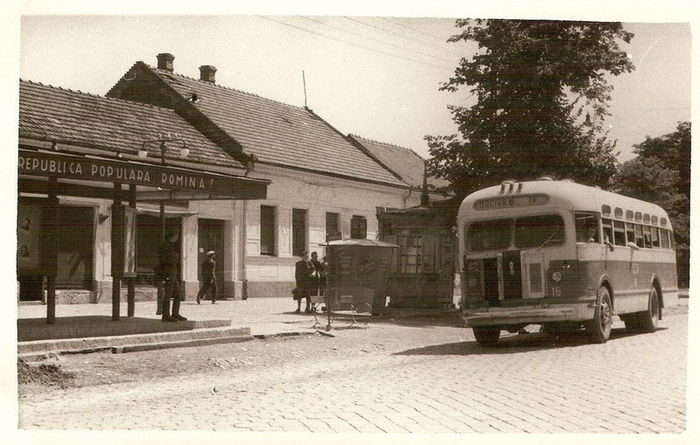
504	202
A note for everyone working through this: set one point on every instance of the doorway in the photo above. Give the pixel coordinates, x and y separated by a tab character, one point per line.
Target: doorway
211	237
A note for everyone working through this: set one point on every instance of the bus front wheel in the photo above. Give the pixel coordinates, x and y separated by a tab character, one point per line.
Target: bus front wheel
486	335
598	328
648	320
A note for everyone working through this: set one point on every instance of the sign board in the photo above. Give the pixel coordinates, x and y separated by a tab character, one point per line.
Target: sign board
504	202
103	170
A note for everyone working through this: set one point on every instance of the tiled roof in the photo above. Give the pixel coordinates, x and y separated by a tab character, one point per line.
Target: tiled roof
403	161
277	133
56	114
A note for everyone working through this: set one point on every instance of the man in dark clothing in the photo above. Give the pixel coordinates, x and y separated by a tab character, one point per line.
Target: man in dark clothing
208	278
169	265
303	272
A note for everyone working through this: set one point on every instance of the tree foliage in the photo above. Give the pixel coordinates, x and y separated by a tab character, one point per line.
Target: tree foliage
541	98
661	174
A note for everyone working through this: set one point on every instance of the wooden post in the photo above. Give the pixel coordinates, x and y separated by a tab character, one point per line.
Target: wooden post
51	258
116	273
131	282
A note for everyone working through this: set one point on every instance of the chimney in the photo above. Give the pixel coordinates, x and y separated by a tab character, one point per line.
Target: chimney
165	62
207	73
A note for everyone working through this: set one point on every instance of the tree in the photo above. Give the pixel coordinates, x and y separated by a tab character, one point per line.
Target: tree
541	98
661	174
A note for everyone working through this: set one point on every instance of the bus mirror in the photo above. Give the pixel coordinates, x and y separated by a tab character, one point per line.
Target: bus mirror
633	245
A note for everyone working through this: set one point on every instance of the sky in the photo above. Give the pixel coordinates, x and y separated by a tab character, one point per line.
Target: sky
374	76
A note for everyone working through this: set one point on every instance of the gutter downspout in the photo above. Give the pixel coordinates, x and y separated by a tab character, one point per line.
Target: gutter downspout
244	251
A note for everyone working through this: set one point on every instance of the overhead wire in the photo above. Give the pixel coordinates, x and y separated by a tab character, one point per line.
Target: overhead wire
347	42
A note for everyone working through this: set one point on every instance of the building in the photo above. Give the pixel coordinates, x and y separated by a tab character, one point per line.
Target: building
323	186
425	233
94	173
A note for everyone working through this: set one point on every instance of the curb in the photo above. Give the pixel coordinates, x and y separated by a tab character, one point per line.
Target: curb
93	344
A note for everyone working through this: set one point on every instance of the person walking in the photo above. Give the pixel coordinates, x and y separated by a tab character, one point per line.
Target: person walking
316	275
169	265
208	278
303	271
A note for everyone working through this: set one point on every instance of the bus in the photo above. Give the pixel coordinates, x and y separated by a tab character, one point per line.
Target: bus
562	255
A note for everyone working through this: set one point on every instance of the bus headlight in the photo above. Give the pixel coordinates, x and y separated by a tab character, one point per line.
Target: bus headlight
556	276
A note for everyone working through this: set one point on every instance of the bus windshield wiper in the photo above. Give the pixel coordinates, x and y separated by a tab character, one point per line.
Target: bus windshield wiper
549	239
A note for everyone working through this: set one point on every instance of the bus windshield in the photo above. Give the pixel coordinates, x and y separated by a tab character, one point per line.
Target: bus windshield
539	231
489	235
530	231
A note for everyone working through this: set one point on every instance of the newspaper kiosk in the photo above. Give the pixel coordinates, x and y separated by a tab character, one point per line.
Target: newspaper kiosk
358	272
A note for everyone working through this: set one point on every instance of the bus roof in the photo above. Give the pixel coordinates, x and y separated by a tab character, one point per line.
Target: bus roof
511	195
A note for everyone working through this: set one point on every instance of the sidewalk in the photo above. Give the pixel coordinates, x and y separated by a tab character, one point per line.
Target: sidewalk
258	317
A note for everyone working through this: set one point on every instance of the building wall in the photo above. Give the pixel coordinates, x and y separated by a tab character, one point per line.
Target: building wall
246	272
273	276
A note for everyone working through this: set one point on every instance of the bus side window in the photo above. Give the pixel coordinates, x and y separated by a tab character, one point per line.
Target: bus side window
655	237
630	232
587	228
638	236
619	233
664	239
607	230
647	236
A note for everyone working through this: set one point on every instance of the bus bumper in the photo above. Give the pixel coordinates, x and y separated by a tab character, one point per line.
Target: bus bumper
531	314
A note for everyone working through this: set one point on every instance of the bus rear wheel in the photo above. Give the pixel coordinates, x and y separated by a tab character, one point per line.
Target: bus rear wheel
487	335
598	328
648	321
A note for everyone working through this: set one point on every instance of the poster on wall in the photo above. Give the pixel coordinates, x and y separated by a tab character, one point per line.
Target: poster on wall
28	238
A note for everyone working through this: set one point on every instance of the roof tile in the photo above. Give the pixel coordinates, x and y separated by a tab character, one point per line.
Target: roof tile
57	114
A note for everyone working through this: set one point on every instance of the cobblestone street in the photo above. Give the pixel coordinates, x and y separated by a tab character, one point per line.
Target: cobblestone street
418	377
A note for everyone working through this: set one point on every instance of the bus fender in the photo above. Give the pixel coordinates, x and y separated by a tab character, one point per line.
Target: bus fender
604	280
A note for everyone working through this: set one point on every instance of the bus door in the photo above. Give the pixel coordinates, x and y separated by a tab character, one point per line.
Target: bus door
512	275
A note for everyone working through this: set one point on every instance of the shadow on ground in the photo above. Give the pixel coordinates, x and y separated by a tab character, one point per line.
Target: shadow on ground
515	344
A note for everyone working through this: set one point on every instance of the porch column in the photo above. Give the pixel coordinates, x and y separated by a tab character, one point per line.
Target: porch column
50	261
131	281
116	244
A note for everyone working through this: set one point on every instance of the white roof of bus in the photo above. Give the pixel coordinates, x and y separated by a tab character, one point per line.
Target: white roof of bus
566	194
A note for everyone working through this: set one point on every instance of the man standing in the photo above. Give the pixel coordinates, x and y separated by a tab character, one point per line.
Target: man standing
208	278
169	267
303	272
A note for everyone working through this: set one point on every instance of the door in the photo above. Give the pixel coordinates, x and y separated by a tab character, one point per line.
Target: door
512	275
211	237
75	226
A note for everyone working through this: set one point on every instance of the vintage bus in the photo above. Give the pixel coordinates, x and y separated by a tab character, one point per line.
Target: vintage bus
562	255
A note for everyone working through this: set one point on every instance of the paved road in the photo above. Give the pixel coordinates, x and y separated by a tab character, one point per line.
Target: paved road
397	378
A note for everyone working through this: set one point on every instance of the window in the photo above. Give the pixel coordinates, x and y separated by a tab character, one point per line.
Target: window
332	226
410	251
630	232
664	239
267	230
298	231
619	228
539	231
587	228
655	237
607	231
358	227
646	230
489	235
638	236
